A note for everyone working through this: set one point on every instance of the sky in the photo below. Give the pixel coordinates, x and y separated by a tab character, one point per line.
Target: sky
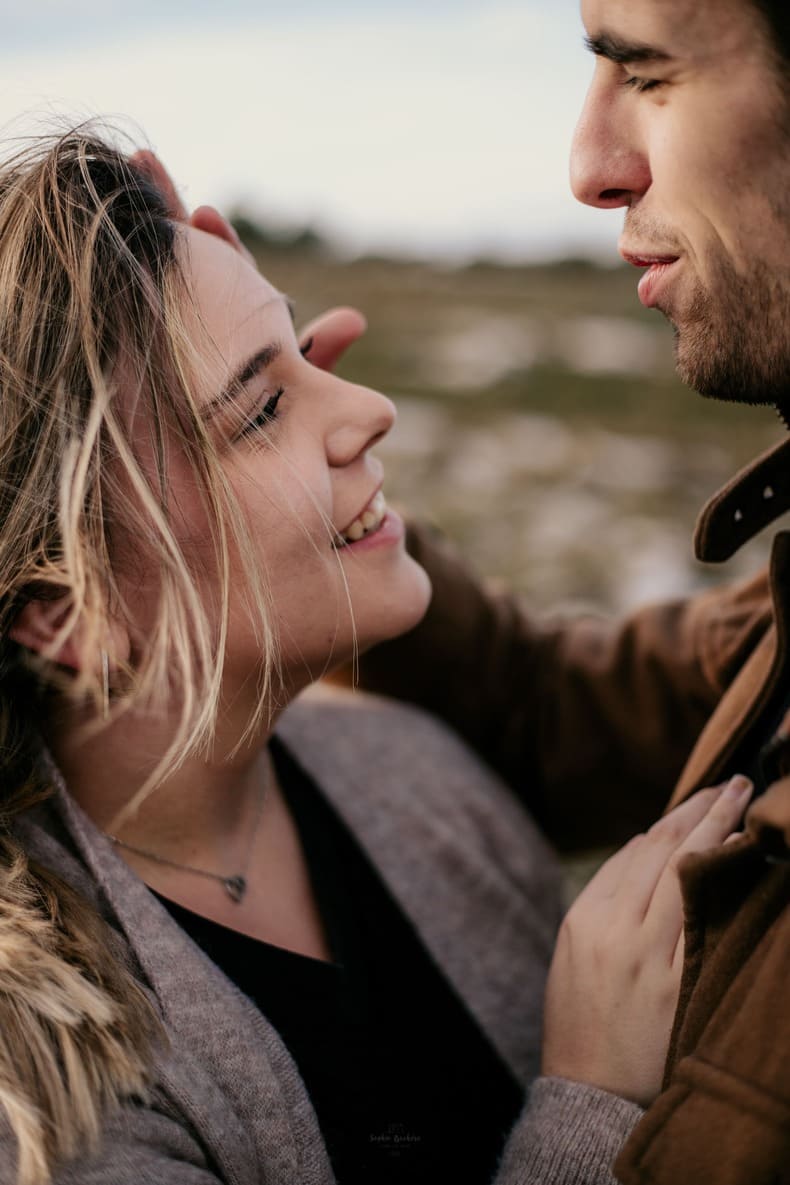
438	129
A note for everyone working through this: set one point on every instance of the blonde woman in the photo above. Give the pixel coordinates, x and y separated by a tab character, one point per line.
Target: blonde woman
240	943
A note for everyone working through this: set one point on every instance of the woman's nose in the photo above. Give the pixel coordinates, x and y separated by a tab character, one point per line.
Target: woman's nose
361	417
609	166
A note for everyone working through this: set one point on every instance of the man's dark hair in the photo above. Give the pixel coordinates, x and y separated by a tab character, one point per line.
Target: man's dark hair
777	15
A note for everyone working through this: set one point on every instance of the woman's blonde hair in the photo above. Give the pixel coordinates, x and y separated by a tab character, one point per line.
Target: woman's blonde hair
92	297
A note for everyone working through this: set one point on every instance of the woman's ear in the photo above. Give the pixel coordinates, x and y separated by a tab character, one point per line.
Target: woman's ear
39	624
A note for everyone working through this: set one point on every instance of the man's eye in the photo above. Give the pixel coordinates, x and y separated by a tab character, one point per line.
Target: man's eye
641	84
265	416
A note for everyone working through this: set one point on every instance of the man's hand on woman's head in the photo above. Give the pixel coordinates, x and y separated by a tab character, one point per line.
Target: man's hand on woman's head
614	980
328	336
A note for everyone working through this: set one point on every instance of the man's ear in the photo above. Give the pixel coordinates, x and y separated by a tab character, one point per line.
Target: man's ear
39	623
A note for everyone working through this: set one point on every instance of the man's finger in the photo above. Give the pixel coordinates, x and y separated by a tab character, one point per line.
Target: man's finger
209	219
330	335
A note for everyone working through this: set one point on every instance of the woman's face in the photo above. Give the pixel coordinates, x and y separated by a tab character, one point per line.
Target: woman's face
296	447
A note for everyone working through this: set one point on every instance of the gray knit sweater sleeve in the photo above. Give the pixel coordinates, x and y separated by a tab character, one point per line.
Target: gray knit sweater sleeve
568	1134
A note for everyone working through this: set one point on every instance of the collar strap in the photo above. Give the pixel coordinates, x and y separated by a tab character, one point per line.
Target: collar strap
754	498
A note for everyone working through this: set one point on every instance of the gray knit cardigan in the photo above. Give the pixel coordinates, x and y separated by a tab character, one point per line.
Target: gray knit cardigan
477	881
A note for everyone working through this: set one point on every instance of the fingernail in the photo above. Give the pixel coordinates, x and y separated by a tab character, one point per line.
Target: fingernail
738	787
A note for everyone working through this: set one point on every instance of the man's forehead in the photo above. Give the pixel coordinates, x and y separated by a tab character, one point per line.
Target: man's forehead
679	28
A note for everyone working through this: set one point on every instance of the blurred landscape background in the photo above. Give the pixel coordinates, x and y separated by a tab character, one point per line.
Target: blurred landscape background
541	424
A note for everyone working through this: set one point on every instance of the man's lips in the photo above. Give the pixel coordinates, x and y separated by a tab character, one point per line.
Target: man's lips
657	268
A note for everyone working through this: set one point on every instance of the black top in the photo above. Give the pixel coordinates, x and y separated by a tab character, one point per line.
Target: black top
406	1087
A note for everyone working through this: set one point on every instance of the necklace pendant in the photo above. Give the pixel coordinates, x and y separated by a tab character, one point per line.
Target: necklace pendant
235	887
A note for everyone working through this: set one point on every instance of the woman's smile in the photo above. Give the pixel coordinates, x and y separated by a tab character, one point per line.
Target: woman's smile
365	523
389	529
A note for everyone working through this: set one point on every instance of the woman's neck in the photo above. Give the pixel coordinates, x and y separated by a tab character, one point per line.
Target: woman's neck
224	815
199	813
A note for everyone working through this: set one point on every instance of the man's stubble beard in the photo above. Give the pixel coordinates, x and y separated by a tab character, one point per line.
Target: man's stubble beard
737	347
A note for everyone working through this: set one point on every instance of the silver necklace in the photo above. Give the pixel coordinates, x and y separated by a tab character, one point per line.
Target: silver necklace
235	886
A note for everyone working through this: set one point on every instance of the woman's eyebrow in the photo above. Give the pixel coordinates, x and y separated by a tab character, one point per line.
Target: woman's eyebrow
248	370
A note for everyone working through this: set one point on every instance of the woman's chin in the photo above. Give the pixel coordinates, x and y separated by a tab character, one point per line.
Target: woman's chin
406	611
398	611
384	611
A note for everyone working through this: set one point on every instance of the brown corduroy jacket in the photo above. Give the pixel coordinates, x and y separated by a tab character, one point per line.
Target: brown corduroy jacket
593	724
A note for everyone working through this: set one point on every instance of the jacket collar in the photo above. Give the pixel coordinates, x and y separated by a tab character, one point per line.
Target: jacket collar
755	497
768	819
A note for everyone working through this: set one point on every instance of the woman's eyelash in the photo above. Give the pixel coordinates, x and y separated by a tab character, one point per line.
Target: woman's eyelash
266	415
641	84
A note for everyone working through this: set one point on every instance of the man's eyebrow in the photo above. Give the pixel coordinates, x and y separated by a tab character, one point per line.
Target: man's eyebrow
605	45
248	370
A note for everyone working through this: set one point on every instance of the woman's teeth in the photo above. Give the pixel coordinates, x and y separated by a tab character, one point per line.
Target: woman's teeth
370	520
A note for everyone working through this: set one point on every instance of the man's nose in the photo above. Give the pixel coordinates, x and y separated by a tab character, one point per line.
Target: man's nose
609	165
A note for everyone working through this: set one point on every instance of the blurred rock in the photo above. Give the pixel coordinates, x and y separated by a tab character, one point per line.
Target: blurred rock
618	462
538	445
610	345
421	429
480	353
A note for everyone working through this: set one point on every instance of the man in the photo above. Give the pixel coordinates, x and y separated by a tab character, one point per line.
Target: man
687	127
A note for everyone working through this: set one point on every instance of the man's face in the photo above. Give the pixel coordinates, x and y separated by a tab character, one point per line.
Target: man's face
687	127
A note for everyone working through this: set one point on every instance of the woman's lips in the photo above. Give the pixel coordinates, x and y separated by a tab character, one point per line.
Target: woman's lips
390	530
369	517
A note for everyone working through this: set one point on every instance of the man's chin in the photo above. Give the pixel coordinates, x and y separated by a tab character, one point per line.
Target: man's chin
727	380
749	399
